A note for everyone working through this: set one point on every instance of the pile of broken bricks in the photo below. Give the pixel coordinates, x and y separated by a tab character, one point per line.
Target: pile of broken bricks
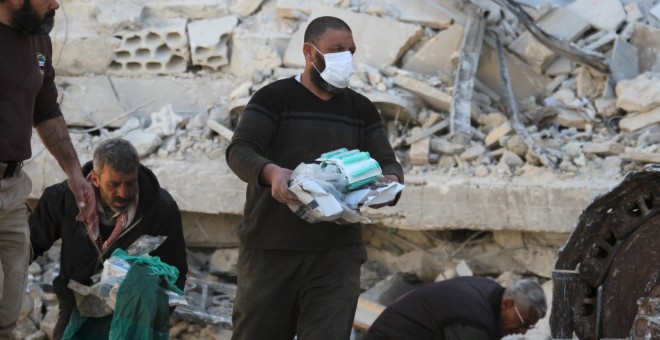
581	94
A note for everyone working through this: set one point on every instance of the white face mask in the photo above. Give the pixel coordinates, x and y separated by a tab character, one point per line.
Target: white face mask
338	68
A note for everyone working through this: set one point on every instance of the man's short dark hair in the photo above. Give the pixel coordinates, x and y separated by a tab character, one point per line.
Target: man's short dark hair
118	153
318	26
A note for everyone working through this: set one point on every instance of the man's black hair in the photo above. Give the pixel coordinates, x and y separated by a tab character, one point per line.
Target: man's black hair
318	26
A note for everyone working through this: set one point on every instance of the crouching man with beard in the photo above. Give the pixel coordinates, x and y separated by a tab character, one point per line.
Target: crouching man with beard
130	203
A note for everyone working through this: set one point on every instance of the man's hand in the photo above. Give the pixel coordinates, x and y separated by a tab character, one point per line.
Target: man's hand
85	197
385	179
55	136
278	179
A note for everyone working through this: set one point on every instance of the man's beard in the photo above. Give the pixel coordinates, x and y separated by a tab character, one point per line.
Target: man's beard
27	20
317	80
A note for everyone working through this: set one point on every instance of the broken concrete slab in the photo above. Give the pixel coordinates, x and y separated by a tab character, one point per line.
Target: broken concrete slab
497	133
434	57
605	15
521	203
561	66
525	81
559	22
640	94
624	61
209	41
186	95
638	121
446	147
419	12
395	106
604	149
647	41
93	96
78	49
571	118
419	151
435	98
374	48
254	56
473	152
119	15
144	142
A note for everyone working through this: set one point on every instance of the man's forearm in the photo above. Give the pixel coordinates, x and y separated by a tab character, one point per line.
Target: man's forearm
55	136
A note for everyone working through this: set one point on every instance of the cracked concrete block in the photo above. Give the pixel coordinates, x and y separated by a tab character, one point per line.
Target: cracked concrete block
252	55
193	10
78	49
161	47
93	96
244	8
560	23
209	39
640	94
373	47
647	41
119	15
435	98
435	55
605	15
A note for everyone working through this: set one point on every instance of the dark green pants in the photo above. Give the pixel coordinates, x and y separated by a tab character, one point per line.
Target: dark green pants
283	293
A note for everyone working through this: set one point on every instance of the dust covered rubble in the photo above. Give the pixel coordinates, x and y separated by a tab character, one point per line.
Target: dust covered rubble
585	121
398	262
178	96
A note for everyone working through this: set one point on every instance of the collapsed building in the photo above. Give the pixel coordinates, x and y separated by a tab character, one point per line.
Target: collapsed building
509	118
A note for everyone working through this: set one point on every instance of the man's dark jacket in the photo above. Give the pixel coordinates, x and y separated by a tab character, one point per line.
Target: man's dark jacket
472	303
54	218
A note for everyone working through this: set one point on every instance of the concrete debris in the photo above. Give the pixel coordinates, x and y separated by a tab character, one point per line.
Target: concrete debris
405	75
174	77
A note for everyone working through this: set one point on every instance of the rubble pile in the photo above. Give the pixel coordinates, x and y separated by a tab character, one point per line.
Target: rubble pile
584	120
398	262
173	77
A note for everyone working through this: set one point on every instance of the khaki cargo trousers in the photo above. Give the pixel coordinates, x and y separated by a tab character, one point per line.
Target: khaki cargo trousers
14	248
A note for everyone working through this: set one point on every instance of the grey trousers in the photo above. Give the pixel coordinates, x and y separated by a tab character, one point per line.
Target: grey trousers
14	248
311	295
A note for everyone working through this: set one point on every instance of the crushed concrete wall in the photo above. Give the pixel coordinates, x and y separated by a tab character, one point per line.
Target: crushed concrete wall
120	64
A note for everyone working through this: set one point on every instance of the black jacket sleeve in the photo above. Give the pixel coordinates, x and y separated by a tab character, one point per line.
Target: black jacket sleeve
173	250
45	221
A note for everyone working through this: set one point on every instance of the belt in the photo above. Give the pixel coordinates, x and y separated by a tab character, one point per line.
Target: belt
10	169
